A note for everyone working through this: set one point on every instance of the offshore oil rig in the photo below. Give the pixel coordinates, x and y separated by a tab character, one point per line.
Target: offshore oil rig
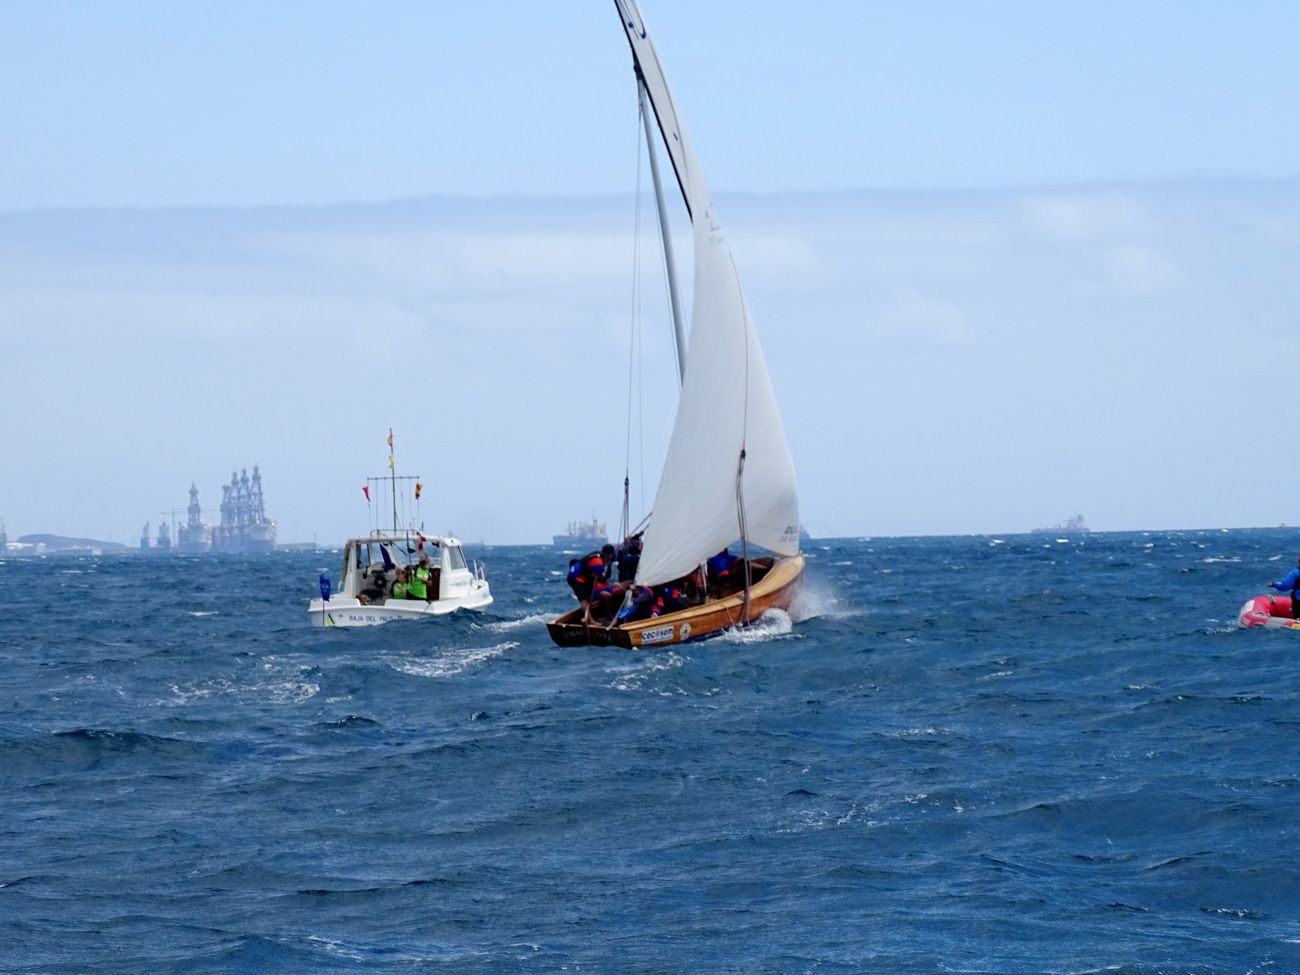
244	526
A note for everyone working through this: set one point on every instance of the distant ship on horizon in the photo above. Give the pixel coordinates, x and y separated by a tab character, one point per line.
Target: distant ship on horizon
582	534
1075	525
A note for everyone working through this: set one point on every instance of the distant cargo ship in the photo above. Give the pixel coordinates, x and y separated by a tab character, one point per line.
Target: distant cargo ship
582	534
1073	525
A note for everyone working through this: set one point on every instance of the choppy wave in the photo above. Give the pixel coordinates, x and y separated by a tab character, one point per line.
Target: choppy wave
452	662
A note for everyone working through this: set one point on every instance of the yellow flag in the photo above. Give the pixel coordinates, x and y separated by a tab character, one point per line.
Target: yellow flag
390	463
390	439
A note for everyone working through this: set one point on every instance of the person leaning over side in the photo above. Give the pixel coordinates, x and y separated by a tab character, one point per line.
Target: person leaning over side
1290	583
583	574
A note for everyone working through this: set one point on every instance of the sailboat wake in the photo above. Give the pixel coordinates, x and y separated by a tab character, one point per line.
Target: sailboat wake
775	624
816	599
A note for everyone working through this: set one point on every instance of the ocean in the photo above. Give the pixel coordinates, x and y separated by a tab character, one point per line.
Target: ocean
1010	754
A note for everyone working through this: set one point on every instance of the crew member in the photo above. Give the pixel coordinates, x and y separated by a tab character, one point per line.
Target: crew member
416	588
629	557
1290	583
584	572
401	588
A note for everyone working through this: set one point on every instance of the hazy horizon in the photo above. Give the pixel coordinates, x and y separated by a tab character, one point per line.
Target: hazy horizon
946	362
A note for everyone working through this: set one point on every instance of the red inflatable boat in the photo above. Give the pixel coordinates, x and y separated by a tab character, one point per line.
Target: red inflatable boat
1271	611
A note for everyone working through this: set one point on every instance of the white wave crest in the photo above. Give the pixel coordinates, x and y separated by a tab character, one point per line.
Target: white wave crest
775	624
505	626
450	664
819	599
631	676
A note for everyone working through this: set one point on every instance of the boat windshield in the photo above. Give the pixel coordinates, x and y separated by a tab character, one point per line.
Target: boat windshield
390	553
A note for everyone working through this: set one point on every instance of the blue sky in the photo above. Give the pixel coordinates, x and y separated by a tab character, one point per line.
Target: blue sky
160	103
1008	261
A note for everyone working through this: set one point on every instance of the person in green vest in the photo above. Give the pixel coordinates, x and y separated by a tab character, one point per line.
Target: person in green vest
401	588
424	576
416	587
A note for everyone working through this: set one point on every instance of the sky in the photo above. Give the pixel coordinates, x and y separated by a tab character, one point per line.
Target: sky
1008	261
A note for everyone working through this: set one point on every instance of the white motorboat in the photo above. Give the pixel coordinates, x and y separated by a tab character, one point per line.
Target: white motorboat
369	593
364	595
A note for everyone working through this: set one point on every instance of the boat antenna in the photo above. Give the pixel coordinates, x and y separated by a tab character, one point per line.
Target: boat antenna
665	233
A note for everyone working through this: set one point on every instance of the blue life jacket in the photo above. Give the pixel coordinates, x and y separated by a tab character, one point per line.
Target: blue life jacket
591	562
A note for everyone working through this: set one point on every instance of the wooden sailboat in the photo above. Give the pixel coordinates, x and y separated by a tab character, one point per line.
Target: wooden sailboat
728	474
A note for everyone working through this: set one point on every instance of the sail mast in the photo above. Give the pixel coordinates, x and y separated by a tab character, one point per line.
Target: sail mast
665	233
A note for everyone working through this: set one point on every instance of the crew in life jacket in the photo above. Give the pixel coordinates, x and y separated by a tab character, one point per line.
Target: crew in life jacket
606	596
584	572
648	603
640	607
1290	583
720	565
669	599
629	557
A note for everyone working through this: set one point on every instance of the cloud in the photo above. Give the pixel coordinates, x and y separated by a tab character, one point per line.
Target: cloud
1083	216
912	316
1011	335
1142	269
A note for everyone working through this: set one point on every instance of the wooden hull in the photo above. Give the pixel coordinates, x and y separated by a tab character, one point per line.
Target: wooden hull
776	589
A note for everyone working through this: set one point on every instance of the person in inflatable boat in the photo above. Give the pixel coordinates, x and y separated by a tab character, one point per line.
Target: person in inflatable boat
1290	583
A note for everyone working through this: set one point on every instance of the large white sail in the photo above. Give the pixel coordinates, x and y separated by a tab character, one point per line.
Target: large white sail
727	404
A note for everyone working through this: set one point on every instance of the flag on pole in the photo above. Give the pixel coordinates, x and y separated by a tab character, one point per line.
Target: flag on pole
366	489
390	463
390	439
418	488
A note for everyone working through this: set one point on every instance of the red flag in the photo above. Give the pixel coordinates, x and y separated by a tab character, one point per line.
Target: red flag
418	488
367	490
390	439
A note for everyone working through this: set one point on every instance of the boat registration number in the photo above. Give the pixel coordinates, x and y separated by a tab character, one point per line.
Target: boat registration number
659	634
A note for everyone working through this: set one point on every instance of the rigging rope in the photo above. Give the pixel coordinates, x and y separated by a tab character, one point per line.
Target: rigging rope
634	332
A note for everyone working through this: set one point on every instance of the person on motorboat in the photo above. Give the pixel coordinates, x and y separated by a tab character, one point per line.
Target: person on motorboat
1290	583
424	576
416	587
583	574
377	589
401	586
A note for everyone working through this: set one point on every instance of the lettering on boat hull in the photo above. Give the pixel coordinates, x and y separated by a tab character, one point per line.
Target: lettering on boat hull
660	634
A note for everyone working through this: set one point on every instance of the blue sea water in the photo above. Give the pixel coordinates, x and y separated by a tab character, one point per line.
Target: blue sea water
976	754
